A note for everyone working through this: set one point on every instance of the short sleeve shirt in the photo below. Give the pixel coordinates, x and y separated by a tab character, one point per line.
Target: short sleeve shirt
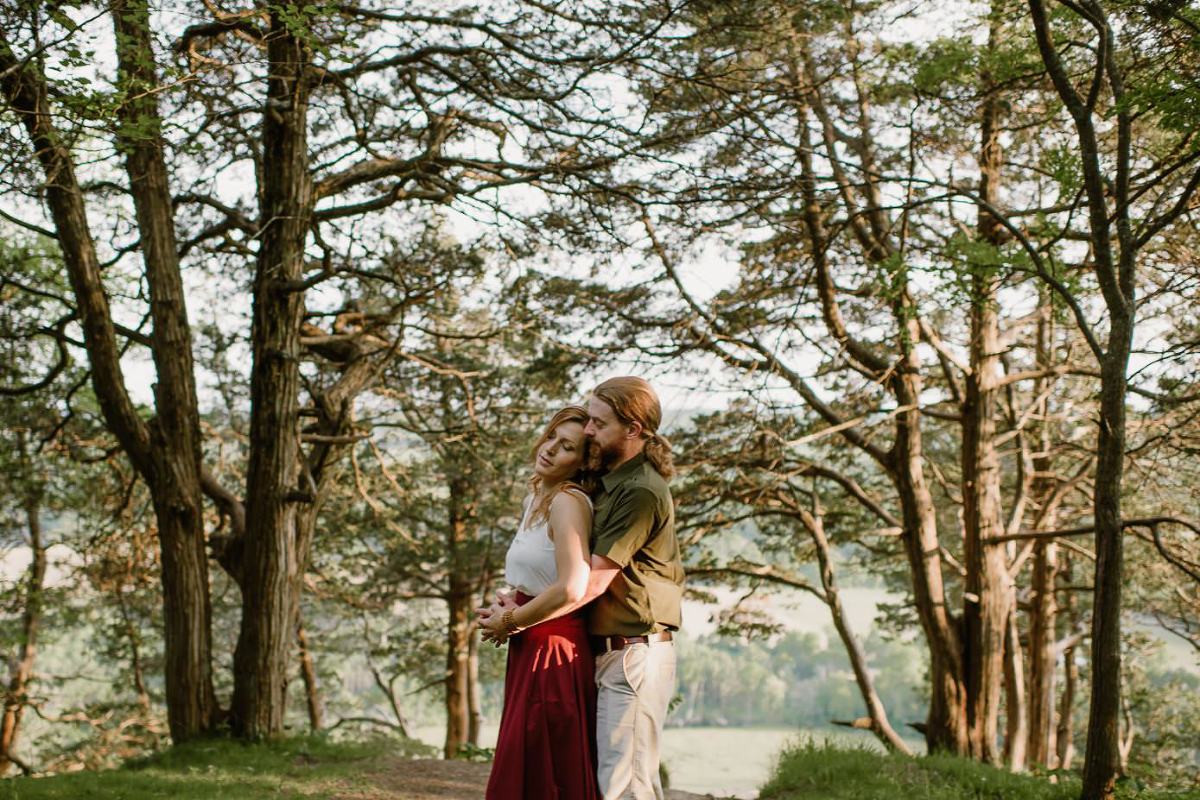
634	526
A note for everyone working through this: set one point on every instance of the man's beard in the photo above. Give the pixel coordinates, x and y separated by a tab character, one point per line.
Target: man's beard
606	456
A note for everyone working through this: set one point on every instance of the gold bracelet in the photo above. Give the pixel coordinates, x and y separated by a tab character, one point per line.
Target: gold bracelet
510	622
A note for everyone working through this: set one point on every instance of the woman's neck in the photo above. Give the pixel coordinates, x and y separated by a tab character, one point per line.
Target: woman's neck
544	490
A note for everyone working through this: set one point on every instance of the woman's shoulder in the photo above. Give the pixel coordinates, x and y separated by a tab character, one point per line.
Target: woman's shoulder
571	496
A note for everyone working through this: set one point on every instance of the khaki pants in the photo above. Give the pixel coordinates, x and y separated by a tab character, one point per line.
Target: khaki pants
635	686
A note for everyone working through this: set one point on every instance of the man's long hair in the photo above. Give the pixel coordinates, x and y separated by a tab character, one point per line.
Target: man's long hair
634	400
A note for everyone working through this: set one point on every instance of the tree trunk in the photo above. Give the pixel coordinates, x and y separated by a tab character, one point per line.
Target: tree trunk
133	635
460	592
458	647
191	700
987	585
1114	263
1125	746
1016	706
31	620
175	482
1065	735
1043	604
308	673
947	727
1102	757
474	700
272	557
1042	656
876	713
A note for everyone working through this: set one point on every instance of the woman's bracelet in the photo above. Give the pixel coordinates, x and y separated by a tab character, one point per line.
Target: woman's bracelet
510	622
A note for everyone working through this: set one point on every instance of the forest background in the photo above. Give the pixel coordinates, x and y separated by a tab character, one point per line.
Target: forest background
287	290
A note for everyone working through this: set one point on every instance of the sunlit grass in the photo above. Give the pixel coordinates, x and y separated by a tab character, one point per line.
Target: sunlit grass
221	769
811	769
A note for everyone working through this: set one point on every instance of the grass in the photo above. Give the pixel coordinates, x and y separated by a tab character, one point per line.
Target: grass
310	767
807	769
314	767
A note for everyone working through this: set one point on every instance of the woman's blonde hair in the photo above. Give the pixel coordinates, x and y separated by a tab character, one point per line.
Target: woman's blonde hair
634	400
585	479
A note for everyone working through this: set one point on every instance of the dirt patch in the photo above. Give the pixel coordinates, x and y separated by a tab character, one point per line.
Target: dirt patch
433	779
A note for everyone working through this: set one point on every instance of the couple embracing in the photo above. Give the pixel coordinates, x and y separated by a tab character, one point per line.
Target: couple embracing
598	581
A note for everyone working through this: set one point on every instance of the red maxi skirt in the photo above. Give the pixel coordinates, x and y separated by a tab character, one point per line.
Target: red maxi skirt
546	748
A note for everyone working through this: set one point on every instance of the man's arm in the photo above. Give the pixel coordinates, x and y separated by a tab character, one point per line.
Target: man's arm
601	575
604	570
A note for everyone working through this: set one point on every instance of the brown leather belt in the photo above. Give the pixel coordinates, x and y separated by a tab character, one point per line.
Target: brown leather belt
604	644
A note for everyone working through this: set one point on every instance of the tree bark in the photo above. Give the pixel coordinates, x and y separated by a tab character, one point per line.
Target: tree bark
273	561
1065	732
1043	604
474	700
308	674
947	725
1016	705
458	631
1042	656
987	586
175	430
1102	756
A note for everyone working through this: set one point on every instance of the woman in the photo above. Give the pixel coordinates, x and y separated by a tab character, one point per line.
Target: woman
546	746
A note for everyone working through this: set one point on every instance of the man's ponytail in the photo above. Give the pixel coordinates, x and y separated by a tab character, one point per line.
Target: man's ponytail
658	453
633	400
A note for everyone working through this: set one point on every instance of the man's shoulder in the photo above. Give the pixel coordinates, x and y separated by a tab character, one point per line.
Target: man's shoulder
647	483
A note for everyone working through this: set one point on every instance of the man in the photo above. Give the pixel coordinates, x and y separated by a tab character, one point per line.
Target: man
637	581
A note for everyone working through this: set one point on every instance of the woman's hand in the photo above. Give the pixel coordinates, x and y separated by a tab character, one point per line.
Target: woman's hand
491	619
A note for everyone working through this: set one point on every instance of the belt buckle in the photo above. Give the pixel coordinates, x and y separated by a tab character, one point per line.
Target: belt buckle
613	643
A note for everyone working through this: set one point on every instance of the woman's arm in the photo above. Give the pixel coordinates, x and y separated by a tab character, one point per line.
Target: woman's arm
570	526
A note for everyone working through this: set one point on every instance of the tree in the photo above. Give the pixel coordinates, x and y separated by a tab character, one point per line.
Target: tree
166	449
476	413
478	80
33	366
783	138
738	470
1113	187
61	484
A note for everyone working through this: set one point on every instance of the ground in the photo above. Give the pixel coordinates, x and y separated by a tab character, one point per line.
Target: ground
394	778
299	768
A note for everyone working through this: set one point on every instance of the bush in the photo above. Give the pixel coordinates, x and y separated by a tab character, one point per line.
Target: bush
810	769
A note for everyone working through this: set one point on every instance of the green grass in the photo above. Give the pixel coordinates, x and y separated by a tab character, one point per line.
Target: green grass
220	769
808	769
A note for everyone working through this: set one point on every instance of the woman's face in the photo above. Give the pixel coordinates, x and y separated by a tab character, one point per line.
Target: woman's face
561	455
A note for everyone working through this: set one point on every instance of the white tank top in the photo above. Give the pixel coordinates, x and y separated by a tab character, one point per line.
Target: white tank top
530	566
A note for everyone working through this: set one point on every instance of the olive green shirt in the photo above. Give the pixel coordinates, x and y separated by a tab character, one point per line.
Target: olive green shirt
634	526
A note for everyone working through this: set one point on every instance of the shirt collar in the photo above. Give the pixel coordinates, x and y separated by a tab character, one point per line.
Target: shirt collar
612	479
